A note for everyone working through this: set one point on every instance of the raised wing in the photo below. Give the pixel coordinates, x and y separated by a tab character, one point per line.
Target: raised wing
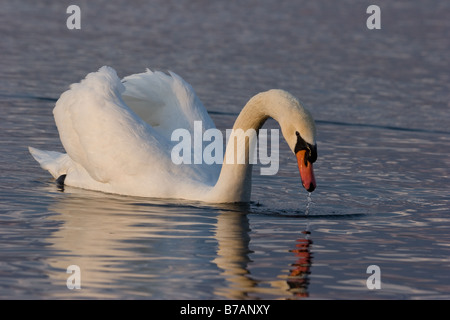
102	134
166	102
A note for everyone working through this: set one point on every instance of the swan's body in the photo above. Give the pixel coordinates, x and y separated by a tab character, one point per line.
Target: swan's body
117	136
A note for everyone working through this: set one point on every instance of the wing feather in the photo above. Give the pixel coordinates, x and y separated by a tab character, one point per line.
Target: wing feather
101	133
165	101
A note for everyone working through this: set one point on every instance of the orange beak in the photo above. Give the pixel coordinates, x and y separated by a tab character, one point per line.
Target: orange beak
306	171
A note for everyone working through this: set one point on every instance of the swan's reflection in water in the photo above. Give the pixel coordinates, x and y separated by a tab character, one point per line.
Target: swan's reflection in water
133	247
232	234
233	238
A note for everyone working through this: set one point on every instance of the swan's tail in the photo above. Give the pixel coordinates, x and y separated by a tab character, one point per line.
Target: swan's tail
56	163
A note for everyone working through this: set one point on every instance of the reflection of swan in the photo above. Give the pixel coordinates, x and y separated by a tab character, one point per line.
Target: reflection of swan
127	247
233	252
93	235
118	138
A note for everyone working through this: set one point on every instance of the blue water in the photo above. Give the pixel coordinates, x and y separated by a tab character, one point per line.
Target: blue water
381	102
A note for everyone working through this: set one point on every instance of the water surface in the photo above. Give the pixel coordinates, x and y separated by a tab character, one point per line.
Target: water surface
381	101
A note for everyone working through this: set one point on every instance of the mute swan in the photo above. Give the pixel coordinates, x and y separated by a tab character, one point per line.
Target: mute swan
117	138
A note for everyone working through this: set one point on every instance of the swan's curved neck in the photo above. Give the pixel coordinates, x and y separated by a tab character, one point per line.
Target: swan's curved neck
234	183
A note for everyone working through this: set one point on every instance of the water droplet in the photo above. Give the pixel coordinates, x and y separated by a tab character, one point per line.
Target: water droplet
309	204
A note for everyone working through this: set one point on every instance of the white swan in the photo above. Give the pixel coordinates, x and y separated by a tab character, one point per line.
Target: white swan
117	138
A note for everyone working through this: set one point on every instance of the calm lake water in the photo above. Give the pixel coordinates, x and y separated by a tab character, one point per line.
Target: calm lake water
381	102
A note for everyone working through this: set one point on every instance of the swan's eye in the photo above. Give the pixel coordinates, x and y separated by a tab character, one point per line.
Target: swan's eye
297	134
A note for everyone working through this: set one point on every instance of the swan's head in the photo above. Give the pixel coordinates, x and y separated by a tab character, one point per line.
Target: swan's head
299	131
